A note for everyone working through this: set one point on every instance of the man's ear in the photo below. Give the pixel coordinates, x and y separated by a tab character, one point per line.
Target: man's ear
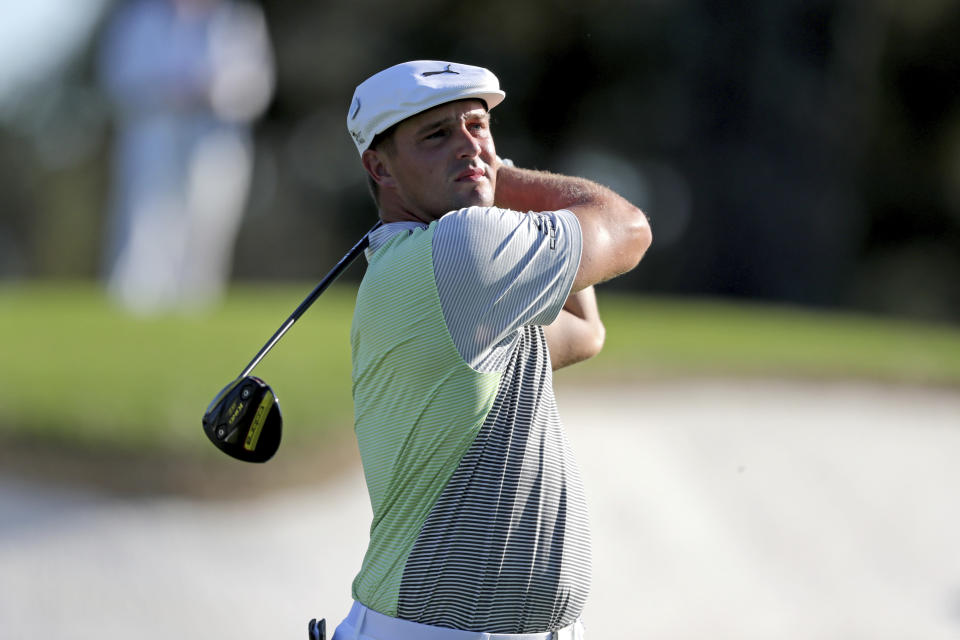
377	166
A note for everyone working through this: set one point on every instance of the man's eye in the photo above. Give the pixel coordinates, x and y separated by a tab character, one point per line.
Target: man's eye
436	134
480	129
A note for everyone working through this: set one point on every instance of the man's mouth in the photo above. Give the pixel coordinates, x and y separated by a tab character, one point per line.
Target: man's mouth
472	174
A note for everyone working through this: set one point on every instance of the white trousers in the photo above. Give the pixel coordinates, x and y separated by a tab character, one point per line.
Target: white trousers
363	623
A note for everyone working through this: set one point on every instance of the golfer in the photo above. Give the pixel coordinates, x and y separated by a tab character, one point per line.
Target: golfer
478	284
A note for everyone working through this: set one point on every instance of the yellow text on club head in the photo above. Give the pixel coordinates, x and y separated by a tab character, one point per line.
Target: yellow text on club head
250	443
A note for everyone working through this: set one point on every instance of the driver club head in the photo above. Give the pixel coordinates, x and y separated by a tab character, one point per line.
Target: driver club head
244	420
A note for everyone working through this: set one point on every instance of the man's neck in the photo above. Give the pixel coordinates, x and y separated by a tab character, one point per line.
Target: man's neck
401	216
392	209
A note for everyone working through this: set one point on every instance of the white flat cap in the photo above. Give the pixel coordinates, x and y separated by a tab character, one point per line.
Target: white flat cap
406	89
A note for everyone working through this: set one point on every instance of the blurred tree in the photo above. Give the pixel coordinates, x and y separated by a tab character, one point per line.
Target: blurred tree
910	258
805	151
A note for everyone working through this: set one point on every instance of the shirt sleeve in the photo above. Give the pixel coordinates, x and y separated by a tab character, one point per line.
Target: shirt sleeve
498	270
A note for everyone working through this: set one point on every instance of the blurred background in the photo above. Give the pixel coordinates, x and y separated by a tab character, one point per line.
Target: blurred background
801	152
779	388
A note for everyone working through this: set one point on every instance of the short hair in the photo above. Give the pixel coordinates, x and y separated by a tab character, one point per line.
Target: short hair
384	141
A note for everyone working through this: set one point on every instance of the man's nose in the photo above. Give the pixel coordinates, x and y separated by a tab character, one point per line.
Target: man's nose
468	145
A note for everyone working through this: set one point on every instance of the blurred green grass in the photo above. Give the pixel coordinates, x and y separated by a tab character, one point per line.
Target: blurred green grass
78	372
656	337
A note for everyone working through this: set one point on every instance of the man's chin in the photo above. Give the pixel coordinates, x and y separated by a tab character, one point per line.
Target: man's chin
480	196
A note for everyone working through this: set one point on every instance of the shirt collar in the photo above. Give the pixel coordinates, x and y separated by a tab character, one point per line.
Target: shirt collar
382	234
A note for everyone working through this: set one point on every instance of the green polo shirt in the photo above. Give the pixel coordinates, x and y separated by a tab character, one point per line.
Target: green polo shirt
479	520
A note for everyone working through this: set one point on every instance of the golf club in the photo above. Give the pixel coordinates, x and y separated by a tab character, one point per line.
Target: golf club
244	420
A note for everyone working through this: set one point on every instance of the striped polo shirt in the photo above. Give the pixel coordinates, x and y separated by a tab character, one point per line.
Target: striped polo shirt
479	517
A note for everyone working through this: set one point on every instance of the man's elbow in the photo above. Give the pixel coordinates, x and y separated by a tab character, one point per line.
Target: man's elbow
612	246
642	234
597	338
591	342
587	344
637	237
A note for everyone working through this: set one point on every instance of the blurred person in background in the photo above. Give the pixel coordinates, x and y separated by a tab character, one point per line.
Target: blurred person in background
187	79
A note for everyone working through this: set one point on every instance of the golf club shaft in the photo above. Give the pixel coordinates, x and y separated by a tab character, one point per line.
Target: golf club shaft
345	262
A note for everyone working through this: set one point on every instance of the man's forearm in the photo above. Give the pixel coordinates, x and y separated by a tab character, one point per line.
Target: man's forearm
529	190
578	333
583	305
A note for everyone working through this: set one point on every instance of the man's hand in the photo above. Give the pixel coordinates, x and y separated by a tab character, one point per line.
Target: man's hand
577	334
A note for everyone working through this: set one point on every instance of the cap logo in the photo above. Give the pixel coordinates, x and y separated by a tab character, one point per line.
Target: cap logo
436	73
356	109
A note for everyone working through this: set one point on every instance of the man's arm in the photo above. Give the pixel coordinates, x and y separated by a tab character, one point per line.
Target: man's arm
577	334
615	237
615	233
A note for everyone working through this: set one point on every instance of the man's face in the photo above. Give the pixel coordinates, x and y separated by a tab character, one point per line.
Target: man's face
442	160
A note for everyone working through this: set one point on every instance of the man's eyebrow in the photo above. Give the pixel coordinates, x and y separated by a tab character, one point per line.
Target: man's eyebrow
434	124
485	116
